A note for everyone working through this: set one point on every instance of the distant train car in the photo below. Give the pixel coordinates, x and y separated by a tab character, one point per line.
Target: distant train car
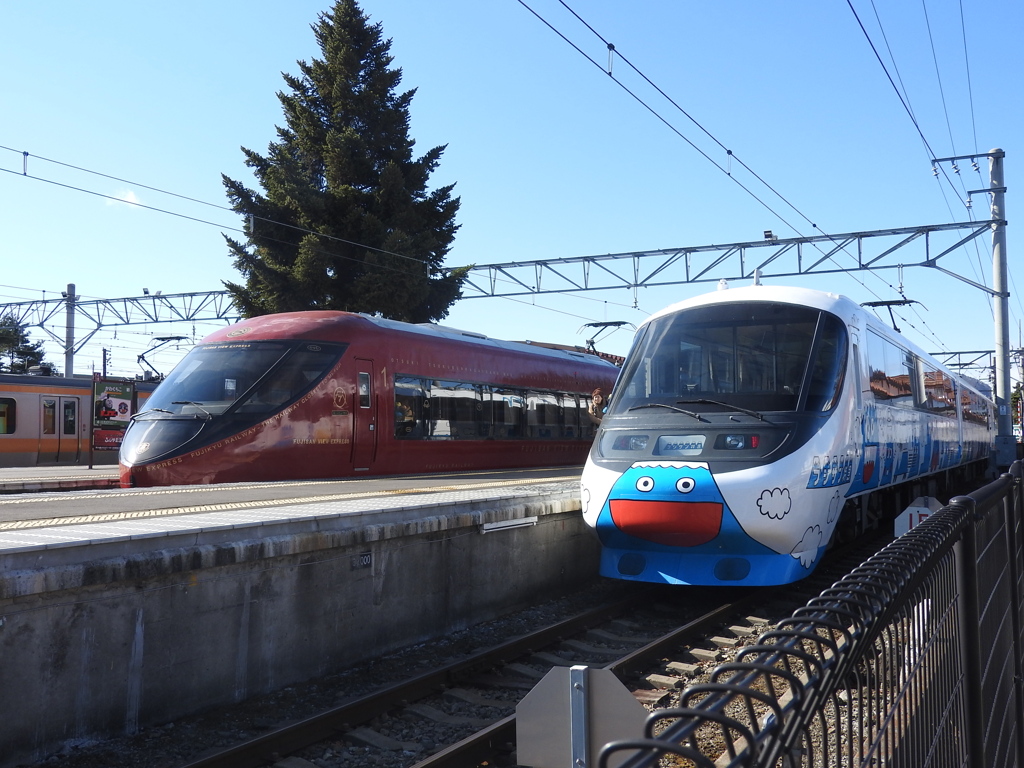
749	425
46	420
335	394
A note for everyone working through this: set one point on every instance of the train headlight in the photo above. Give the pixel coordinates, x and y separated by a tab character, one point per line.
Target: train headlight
630	443
737	442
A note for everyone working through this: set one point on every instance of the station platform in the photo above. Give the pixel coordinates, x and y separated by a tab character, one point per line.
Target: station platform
197	596
59	478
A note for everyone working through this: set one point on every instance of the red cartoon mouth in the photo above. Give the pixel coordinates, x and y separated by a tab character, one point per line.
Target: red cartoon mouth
672	523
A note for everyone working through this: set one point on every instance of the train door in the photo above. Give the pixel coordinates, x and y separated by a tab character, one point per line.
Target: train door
364	432
59	439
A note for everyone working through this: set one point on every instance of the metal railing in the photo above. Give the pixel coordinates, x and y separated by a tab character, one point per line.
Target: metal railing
913	659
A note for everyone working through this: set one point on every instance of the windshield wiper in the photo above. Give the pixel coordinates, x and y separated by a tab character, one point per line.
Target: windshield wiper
697	416
197	405
704	401
134	416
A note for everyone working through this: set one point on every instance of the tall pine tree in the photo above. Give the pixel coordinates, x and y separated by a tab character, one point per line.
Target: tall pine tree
345	220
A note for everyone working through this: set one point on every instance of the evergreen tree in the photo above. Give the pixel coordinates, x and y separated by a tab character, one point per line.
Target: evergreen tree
345	220
18	353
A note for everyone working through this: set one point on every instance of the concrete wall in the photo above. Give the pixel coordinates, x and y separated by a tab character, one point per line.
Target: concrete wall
135	637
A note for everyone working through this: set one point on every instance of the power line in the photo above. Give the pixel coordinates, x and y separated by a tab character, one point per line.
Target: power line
251	217
615	52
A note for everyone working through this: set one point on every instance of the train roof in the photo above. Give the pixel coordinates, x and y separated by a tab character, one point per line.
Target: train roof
325	325
808	297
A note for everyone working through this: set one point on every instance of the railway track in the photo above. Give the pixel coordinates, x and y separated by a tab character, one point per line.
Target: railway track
616	636
657	640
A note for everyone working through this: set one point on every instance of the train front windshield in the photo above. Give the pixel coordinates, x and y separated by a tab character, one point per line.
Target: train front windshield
220	388
763	357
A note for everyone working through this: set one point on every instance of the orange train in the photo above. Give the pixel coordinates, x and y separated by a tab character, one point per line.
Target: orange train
46	420
333	394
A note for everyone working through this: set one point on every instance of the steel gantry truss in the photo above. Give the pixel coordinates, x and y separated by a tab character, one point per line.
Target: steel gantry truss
771	257
107	313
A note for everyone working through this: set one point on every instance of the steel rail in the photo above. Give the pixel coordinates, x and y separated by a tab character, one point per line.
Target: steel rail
293	737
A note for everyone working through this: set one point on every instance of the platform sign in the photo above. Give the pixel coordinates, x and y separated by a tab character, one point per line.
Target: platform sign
920	510
112	409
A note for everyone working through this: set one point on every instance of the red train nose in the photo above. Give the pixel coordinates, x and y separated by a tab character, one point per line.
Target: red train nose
672	523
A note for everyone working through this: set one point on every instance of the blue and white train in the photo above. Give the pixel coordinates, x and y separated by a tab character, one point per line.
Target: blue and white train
744	422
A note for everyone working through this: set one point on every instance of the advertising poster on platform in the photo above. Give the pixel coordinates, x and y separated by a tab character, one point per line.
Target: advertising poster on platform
112	408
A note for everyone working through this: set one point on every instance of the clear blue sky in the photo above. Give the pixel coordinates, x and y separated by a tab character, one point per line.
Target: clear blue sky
550	157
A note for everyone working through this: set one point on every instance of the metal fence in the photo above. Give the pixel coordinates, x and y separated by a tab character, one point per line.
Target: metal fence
913	659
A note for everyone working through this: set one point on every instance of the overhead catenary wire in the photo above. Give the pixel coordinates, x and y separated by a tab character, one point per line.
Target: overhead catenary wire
904	98
616	52
137	204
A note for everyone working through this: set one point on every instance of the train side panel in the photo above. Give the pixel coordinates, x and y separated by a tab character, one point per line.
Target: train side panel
397	401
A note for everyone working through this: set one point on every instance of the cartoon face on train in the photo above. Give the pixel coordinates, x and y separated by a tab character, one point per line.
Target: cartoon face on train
672	517
670	504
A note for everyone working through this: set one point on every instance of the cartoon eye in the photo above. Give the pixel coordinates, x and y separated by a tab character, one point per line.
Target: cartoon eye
685	484
645	484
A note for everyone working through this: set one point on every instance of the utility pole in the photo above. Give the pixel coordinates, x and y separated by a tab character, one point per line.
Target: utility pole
69	332
1006	451
1006	446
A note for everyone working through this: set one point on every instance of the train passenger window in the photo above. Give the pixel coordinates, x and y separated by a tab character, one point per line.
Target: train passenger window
8	415
588	425
70	421
507	406
545	415
893	372
49	416
457	411
412	407
976	409
937	391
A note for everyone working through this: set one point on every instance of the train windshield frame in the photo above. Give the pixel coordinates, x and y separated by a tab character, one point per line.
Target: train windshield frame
254	377
221	388
764	356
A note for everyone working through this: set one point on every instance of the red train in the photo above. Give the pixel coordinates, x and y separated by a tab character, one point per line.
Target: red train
331	394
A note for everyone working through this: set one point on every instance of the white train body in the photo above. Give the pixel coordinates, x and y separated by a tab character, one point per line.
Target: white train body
744	420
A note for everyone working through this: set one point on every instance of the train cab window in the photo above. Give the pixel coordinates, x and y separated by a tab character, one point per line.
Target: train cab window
752	356
286	382
259	376
8	416
828	367
49	416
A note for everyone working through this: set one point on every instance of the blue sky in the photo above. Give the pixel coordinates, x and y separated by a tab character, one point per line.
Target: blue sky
551	158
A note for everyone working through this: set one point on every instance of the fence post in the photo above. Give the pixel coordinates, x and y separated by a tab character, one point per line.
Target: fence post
1012	524
965	553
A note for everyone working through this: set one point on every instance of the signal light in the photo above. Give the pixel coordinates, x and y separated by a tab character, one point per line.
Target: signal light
738	442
